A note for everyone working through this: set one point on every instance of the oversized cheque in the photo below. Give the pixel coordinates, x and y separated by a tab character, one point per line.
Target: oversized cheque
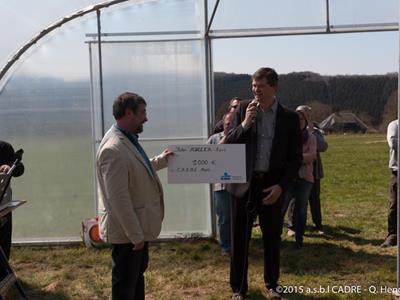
207	163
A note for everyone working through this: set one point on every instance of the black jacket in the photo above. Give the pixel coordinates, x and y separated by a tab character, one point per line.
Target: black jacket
286	153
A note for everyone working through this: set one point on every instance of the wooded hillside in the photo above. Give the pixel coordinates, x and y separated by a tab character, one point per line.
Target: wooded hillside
364	95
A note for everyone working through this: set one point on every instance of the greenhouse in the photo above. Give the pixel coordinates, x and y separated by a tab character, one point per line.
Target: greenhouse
64	62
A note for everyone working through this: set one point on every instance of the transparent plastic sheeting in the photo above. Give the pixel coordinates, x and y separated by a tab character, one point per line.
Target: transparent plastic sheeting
45	108
238	14
27	18
153	16
334	53
170	76
363	11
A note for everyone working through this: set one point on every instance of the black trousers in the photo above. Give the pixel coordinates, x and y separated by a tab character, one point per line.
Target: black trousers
315	203
5	234
271	226
392	211
5	240
128	269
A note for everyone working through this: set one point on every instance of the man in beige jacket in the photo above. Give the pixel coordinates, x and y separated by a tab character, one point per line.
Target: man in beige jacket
130	196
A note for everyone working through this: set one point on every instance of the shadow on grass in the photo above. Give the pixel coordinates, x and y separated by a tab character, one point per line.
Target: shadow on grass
343	233
323	258
35	293
320	259
320	255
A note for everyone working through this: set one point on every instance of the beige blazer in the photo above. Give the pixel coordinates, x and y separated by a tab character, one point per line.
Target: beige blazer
131	206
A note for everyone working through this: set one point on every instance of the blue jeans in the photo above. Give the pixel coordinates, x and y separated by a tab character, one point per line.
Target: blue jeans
300	191
223	209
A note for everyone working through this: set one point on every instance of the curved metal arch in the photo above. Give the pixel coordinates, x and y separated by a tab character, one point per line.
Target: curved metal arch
53	26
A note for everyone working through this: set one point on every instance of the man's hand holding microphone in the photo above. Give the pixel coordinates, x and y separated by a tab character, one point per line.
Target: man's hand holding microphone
251	114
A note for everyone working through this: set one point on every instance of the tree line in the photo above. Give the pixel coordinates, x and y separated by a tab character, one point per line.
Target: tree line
365	95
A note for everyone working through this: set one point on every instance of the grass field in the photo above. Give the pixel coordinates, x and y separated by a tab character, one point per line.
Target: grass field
354	200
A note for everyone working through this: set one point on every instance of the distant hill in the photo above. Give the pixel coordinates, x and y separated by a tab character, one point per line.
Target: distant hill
365	95
26	102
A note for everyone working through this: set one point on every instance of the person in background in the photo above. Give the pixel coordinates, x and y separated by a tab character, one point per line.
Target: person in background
301	188
272	137
392	134
7	158
318	172
131	205
222	198
233	104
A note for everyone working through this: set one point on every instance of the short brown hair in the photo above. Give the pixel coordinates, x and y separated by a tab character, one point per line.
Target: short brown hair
124	101
268	73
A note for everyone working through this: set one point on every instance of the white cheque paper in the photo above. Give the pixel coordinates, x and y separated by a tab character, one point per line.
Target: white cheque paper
224	163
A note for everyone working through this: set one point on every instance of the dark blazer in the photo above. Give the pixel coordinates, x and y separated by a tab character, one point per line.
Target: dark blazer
286	153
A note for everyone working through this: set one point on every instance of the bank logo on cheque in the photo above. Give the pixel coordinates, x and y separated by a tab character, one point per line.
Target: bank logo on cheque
226	176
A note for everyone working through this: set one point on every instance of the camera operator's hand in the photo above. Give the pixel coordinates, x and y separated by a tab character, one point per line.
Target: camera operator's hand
4	168
251	114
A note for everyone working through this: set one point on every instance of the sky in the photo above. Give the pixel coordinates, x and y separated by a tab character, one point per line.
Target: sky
330	54
361	53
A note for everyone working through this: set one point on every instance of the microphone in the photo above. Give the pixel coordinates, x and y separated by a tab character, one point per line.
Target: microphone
18	154
257	106
18	158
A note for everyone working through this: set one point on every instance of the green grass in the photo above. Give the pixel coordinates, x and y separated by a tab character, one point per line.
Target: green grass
354	201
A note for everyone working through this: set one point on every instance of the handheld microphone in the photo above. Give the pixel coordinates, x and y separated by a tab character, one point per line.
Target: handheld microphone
257	106
18	158
18	154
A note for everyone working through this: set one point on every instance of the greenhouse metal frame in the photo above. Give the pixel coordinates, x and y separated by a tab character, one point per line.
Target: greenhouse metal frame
200	39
